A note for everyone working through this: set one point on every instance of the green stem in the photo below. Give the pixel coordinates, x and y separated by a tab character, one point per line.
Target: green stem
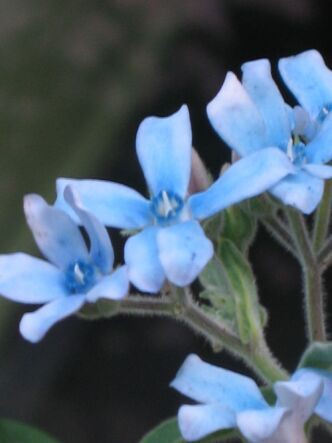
324	255
322	218
184	308
279	231
259	359
301	237
314	305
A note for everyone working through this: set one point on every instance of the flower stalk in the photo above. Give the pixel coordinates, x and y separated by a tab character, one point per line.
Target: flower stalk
312	278
181	306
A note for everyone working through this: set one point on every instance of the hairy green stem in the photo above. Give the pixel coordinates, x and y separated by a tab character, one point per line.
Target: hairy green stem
182	307
314	305
324	255
279	231
322	218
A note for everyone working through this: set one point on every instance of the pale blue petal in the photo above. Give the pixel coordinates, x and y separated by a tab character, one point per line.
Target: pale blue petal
113	287
163	147
302	191
259	84
55	233
141	257
246	178
300	396
113	204
34	326
324	405
307	76
235	117
320	171
206	383
184	250
198	421
319	150
101	249
264	426
28	279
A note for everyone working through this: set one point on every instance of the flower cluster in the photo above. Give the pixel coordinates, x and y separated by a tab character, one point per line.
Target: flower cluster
230	400
252	117
74	275
280	149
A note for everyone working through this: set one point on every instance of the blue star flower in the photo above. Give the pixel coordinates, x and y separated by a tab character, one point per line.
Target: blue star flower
252	117
74	275
172	244
230	400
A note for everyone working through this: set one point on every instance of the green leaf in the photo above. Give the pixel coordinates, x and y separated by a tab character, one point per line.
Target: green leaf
214	278
213	226
102	308
260	206
242	281
317	355
218	292
14	432
168	432
239	227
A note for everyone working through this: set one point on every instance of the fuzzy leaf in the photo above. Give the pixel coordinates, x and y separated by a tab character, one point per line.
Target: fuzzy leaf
242	282
239	227
214	278
14	432
168	432
317	355
262	205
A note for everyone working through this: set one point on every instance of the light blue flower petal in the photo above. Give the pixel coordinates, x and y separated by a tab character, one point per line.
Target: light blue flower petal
113	204
264	426
184	250
195	422
163	147
206	383
307	76
113	287
301	395
320	171
142	258
302	191
235	117
55	233
28	279
323	407
259	84
101	249
246	178
319	150
34	326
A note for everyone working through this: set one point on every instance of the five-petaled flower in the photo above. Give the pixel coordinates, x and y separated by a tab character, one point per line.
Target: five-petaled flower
172	244
230	400
252	117
74	275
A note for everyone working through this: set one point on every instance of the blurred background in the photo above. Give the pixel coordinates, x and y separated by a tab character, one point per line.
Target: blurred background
76	79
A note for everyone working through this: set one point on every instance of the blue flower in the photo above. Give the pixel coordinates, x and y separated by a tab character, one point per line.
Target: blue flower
230	400
172	244
253	116
74	275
